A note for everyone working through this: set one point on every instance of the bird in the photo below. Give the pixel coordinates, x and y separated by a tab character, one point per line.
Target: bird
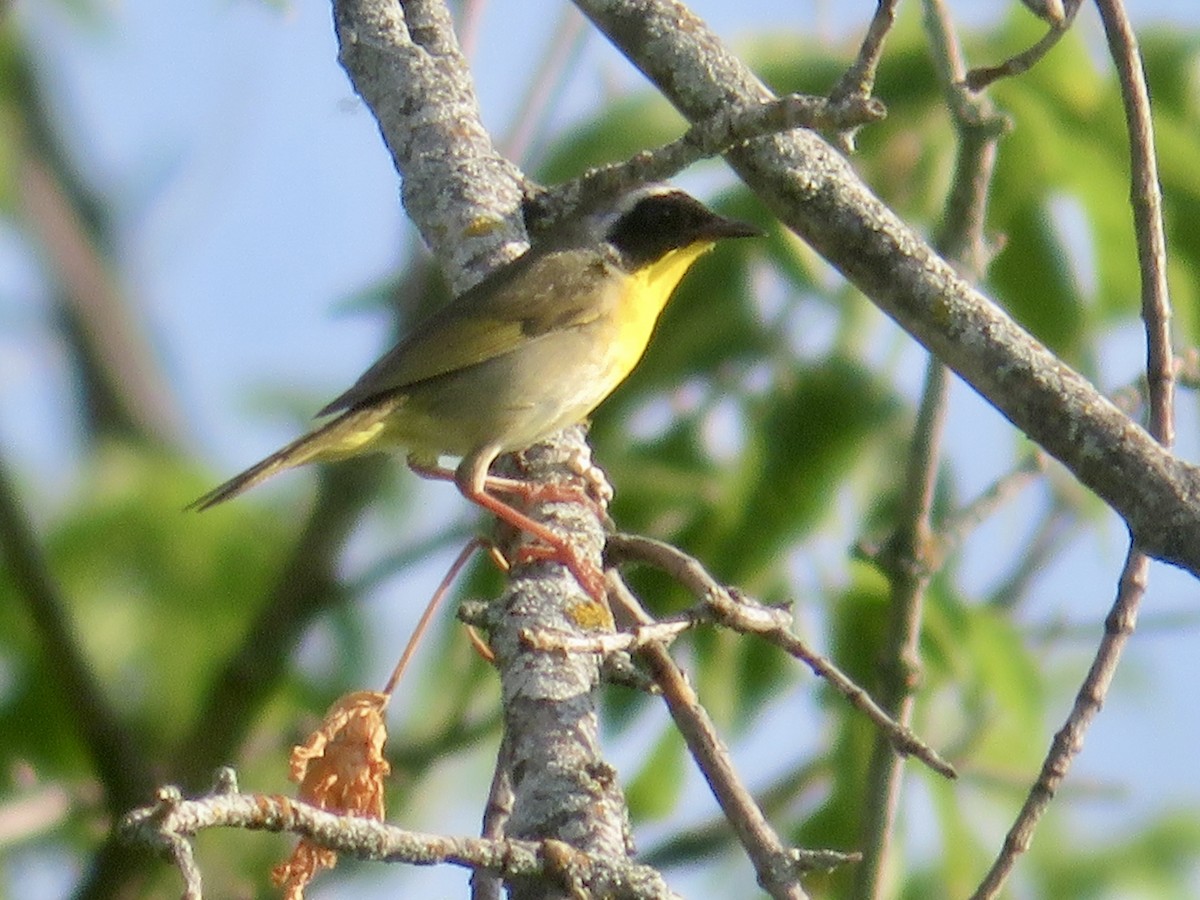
534	347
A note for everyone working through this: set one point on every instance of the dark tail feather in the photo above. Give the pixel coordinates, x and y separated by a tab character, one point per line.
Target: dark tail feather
257	473
347	435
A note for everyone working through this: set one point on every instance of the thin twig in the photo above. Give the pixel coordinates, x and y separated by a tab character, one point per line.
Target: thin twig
907	564
912	555
739	613
1118	626
713	136
775	865
1160	374
430	608
978	79
662	632
858	81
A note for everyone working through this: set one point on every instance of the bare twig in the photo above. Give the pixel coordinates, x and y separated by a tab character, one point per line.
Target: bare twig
907	564
725	129
169	823
777	867
859	79
1146	196
912	556
430	608
978	79
743	615
662	632
1118	626
1160	375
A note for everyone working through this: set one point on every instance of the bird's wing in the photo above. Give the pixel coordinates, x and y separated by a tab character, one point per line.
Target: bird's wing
493	318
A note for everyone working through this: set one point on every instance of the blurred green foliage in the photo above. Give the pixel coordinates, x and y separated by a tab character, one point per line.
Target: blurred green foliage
743	439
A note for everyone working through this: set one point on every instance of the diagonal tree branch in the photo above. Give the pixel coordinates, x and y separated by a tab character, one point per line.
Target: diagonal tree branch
773	862
816	193
464	197
112	746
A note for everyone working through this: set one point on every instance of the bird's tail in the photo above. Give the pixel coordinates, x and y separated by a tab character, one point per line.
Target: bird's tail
349	434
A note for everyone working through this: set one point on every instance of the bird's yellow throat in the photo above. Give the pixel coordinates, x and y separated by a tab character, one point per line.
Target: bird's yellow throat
647	293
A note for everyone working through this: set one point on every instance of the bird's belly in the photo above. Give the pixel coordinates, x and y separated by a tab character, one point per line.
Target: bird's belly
513	400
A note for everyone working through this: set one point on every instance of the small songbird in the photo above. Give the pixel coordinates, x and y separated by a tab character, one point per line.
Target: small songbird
533	348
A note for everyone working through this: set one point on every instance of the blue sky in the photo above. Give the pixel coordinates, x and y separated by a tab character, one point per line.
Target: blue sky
254	200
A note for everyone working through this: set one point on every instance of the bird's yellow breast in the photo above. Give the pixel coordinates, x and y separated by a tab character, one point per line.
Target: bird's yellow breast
642	300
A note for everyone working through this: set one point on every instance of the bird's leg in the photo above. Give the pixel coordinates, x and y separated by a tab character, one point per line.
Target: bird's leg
596	491
473	482
497	483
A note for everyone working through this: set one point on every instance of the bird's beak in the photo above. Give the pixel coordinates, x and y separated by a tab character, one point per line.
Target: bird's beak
721	228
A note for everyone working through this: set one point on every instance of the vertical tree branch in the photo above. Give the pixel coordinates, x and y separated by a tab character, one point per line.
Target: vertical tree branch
907	564
910	558
1146	197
